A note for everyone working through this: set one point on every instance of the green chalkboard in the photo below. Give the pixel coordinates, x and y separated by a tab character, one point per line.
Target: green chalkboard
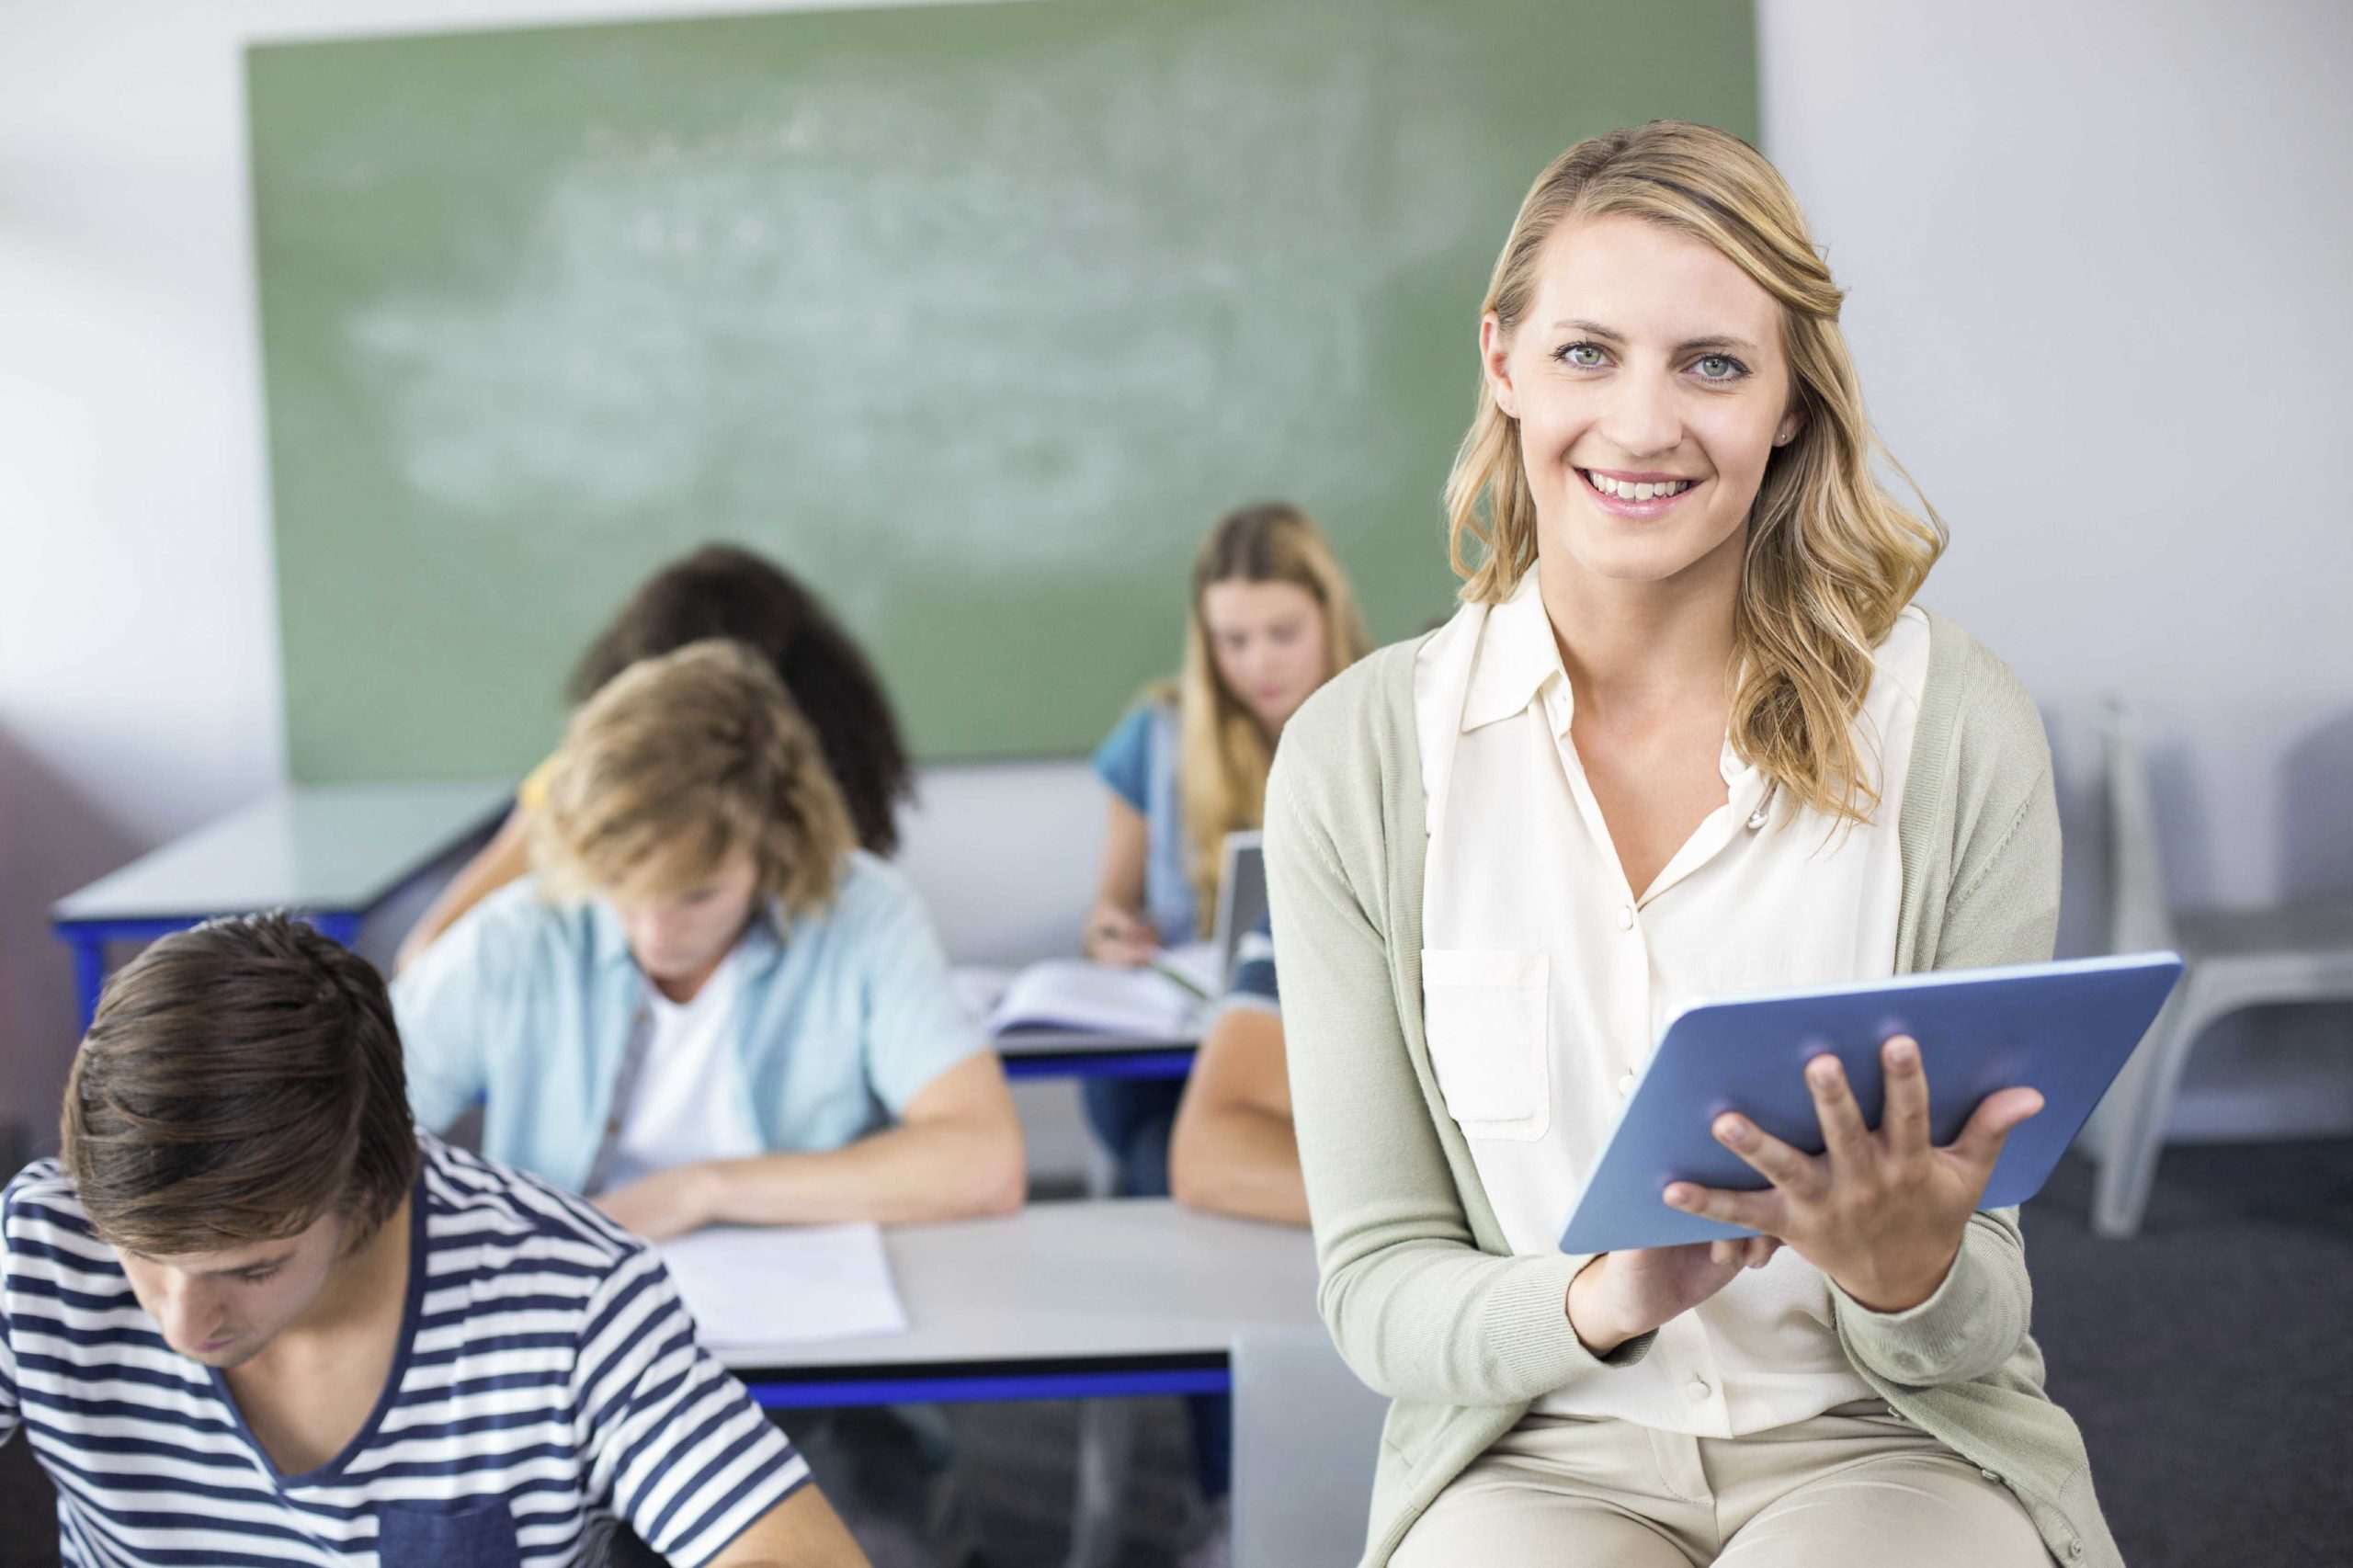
976	316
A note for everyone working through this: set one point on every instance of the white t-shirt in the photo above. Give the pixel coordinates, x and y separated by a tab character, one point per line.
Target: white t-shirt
1546	980
691	1101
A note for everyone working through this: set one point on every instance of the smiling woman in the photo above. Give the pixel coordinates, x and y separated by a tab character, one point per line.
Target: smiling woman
1687	736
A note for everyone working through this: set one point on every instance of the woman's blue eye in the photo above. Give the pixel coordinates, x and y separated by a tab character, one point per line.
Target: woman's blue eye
1721	367
1584	356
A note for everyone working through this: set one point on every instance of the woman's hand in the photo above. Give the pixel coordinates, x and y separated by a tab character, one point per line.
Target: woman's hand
1882	1213
1117	935
1621	1295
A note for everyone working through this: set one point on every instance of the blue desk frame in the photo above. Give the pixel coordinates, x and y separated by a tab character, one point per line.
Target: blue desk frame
952	1383
88	939
1174	1062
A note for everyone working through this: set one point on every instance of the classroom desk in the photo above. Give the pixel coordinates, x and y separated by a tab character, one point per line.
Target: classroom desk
334	852
1077	1053
1090	1300
1093	1301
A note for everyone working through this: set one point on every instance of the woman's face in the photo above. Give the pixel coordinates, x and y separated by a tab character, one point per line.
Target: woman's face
1270	644
1650	386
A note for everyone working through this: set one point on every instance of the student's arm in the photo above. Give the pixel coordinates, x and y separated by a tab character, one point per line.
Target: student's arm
955	1150
955	1154
803	1531
1117	931
441	1008
1232	1151
507	857
674	1447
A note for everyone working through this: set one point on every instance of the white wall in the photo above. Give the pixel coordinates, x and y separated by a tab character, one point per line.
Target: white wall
2097	254
2097	260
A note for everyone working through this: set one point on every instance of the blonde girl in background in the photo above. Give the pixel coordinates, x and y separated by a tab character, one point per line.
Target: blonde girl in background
1273	618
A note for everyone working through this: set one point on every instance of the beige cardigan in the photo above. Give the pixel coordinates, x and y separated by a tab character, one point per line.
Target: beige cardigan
1418	1286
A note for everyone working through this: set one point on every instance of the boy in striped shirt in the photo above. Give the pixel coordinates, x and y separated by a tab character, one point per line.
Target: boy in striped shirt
254	1317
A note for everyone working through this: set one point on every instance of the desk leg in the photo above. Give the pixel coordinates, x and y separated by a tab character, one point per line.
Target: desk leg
1105	1445
89	971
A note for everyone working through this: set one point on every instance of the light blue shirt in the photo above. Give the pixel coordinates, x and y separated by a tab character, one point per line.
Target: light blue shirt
1138	762
526	1007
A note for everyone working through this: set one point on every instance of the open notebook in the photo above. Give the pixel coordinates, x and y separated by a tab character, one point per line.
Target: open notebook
1163	1000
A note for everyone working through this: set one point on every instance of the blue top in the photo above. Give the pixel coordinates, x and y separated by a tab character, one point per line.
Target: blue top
549	1374
526	1007
1138	762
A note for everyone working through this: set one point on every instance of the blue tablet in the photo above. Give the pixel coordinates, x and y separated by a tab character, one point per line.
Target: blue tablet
2064	1029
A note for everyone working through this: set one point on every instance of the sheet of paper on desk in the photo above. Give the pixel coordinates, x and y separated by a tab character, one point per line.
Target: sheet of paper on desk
794	1282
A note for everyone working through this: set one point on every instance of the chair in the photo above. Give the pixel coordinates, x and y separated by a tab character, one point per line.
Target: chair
2234	958
1305	1436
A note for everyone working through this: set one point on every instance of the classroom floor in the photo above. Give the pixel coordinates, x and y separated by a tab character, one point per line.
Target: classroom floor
2208	1360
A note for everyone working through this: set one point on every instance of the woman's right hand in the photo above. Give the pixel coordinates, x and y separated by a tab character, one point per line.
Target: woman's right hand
1623	1295
1117	935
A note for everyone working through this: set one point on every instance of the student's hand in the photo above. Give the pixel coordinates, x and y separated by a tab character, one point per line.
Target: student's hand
665	1204
1118	935
1622	1295
1882	1213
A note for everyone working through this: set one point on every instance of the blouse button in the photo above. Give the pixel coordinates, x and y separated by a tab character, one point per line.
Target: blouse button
1698	1388
1626	1082
1626	917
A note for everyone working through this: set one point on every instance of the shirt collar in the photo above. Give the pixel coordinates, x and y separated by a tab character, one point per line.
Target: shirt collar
1518	656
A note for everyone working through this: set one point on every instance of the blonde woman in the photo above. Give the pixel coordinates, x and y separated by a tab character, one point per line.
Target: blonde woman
1688	734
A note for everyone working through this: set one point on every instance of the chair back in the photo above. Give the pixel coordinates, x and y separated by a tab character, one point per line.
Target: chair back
1240	897
1306	1434
2138	920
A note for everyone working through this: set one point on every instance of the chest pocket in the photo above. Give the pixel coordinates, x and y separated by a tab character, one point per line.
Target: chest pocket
1483	1013
478	1534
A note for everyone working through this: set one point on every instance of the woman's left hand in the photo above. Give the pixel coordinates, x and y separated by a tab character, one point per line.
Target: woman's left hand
665	1204
1881	1212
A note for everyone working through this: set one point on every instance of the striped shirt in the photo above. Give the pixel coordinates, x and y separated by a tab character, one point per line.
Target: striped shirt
546	1373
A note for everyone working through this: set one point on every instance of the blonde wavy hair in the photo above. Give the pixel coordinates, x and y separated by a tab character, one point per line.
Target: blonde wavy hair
678	763
1832	559
1222	754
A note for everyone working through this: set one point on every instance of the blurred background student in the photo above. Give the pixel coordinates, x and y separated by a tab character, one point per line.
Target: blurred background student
720	590
1273	616
709	1006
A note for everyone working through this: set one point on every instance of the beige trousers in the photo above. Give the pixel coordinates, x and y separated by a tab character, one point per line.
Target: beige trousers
1849	1488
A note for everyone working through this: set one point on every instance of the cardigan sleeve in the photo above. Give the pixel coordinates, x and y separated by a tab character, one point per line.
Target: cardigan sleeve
1417	1308
2001	907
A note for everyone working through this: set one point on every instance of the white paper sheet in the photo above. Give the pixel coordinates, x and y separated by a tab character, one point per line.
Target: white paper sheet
794	1282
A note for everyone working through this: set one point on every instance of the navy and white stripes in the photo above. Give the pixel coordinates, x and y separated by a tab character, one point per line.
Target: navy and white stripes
547	1370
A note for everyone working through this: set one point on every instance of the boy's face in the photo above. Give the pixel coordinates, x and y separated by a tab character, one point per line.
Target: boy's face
220	1309
678	939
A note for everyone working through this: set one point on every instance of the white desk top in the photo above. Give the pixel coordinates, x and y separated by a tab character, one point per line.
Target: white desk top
1104	1279
1018	1043
317	846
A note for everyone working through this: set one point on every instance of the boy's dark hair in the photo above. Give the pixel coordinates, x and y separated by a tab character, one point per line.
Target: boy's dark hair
241	1080
723	591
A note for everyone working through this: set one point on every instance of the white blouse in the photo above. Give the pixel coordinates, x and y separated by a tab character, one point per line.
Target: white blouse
1546	980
